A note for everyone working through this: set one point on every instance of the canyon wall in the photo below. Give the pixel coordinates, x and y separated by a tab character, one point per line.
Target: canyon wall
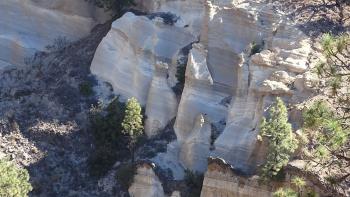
29	25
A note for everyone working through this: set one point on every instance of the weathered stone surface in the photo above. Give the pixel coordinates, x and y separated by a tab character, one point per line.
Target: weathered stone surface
130	59
222	179
146	183
224	81
30	25
195	149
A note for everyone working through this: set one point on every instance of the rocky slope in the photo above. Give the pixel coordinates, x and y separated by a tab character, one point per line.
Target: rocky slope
43	118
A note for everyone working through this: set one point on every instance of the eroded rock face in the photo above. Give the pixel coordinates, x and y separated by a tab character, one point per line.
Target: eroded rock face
29	25
135	57
221	180
146	183
229	80
195	150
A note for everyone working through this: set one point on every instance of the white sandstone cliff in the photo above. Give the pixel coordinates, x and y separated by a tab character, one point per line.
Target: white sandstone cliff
29	25
226	84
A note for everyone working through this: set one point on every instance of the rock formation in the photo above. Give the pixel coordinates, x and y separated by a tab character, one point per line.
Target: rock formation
30	25
247	54
221	179
136	58
238	56
146	182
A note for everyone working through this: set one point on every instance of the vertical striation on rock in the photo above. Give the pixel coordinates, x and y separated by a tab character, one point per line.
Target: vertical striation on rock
135	58
246	55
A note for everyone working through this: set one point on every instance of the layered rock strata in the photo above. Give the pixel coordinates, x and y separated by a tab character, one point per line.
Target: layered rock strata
221	179
146	183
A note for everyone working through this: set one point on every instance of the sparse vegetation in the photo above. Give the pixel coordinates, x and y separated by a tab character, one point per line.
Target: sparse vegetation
168	17
282	141
108	137
14	181
58	44
194	182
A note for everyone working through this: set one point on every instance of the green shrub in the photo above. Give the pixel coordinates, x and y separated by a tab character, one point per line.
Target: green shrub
125	175
325	130
282	141
86	88
316	115
101	160
194	182
110	144
14	181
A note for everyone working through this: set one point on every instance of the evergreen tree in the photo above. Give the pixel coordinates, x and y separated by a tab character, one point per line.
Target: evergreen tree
282	141
132	123
328	130
328	139
14	181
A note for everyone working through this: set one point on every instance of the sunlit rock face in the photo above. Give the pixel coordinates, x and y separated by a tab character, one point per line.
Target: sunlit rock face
243	54
238	85
146	183
136	57
29	25
221	180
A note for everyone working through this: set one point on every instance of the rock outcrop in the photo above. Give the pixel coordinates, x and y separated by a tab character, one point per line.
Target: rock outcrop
221	179
243	54
136	58
146	182
29	25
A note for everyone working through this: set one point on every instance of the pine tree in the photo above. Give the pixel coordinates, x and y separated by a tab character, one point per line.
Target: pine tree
132	123
328	138
282	141
329	144
14	181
